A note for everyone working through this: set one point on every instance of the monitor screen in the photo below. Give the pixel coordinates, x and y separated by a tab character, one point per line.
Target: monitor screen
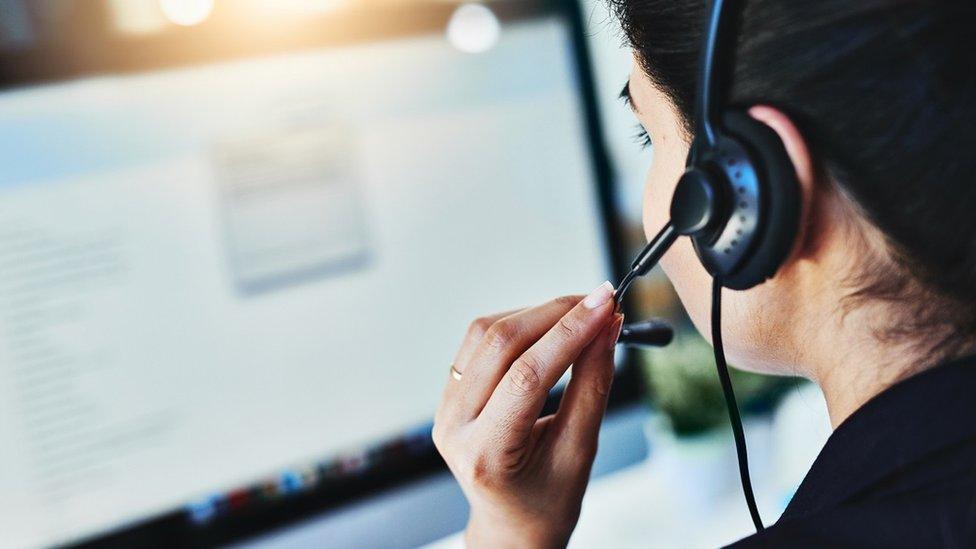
220	278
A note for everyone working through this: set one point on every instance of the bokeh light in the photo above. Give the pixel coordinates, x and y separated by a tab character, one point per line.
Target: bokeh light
186	12
473	28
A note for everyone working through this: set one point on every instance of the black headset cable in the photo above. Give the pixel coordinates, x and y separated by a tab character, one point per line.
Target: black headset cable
734	419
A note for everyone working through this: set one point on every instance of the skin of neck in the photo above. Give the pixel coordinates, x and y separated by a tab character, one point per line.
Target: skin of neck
843	355
831	340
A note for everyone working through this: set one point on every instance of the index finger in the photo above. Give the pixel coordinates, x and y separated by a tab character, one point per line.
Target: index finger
502	344
514	406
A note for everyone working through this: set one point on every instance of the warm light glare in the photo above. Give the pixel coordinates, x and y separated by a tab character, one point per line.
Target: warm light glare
186	12
473	28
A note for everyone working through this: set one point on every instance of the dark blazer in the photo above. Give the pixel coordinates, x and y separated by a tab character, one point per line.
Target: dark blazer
899	472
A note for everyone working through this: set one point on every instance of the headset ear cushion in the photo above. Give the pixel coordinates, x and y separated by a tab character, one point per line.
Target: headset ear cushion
780	213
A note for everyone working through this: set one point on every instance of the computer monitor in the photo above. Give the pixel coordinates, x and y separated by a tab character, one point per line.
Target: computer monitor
236	258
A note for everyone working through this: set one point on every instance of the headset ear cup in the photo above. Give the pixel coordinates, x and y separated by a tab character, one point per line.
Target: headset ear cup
780	218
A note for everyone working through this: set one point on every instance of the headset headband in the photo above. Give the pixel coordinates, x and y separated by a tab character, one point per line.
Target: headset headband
716	62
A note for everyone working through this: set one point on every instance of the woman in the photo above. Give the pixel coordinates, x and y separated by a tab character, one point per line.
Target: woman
875	102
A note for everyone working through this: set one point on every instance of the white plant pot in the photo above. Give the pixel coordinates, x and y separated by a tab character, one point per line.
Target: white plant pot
701	472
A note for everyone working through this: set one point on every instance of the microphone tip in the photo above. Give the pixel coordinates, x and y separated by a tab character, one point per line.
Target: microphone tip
647	333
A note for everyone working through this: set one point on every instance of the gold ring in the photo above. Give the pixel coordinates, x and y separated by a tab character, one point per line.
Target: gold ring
455	373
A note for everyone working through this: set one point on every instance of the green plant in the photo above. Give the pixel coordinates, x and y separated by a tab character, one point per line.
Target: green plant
684	386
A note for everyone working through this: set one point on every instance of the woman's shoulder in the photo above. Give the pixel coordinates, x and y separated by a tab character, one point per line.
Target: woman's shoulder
898	472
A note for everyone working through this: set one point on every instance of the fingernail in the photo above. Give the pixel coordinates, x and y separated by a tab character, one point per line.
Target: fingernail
615	328
599	296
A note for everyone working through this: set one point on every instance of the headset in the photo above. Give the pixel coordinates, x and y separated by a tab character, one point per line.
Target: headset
738	201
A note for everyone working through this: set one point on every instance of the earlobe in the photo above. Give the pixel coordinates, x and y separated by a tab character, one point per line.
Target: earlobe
803	162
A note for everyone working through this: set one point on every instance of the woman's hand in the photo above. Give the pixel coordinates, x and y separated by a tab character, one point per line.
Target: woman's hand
524	476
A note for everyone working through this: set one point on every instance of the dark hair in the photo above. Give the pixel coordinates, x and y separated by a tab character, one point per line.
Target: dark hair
884	91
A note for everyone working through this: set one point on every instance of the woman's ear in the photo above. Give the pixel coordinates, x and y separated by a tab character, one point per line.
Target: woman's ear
803	163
